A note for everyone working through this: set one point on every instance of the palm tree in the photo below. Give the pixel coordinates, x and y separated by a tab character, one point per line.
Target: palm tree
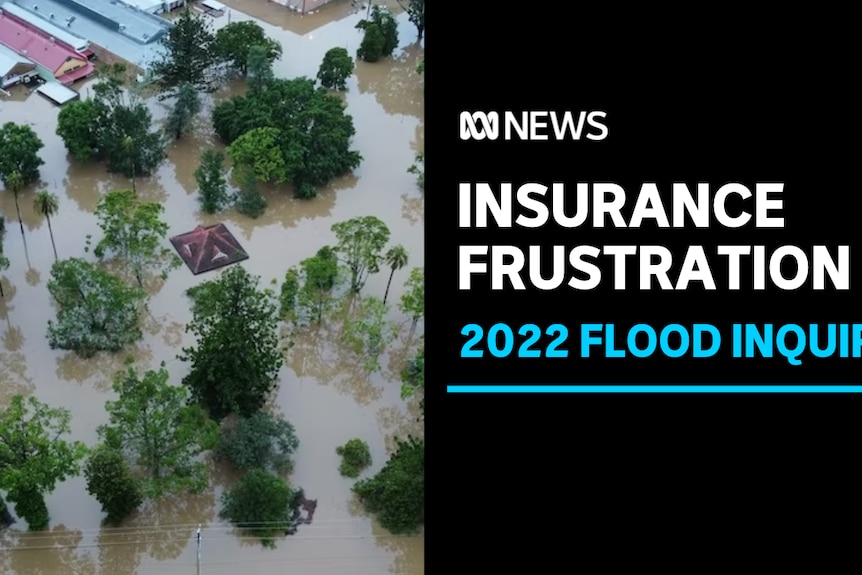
47	204
16	182
396	258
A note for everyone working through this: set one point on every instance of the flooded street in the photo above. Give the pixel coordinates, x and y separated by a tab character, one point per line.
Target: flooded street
323	394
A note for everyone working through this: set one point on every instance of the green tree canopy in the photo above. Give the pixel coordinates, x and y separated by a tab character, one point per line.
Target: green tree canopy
237	358
111	482
186	107
367	332
189	56
260	505
396	495
97	312
153	425
307	292
381	35
35	456
232	44
355	457
19	153
212	184
112	127
261	150
413	299
416	13
315	131
134	232
360	247
260	441
336	68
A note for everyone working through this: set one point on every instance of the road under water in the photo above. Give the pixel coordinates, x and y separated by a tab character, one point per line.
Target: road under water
322	392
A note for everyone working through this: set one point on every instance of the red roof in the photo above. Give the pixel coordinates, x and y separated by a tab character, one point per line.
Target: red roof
34	46
205	249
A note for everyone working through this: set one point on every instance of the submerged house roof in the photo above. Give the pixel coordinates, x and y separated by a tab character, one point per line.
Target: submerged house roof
207	248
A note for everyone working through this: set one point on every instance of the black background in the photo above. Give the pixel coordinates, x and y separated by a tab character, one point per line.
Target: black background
543	483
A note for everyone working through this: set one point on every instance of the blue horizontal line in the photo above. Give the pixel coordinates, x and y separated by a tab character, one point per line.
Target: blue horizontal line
654	389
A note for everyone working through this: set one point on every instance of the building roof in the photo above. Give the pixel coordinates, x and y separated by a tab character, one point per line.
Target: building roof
33	45
214	5
207	248
50	29
58	93
131	22
141	55
145	5
9	60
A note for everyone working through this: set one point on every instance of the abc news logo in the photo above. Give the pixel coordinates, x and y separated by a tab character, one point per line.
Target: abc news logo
532	126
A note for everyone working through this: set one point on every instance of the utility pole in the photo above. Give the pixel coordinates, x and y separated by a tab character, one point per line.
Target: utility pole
199	549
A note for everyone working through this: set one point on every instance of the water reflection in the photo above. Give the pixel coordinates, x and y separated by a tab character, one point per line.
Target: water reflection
395	85
13	368
317	353
100	369
161	529
53	552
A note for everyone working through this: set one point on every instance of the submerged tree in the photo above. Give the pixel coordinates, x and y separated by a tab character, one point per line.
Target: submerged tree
318	277
413	378
19	153
34	456
237	358
212	184
336	68
355	457
153	425
413	299
114	127
249	202
259	71
259	504
396	495
416	13
185	109
188	57
367	333
111	482
232	45
360	243
260	441
396	258
381	35
134	233
46	203
97	311
418	169
313	132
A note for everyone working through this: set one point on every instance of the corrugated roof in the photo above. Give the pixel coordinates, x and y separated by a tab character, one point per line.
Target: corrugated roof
145	5
141	55
34	46
131	22
57	92
46	26
9	59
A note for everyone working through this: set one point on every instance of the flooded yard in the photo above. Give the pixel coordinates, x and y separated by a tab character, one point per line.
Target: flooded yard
322	393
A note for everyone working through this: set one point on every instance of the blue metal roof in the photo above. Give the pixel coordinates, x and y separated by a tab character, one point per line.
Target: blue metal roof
136	24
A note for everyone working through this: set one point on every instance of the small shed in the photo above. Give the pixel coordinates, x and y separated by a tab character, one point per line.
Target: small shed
207	248
213	7
58	93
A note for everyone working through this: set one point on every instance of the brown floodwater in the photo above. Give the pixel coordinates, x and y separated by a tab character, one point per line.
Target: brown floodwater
322	390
